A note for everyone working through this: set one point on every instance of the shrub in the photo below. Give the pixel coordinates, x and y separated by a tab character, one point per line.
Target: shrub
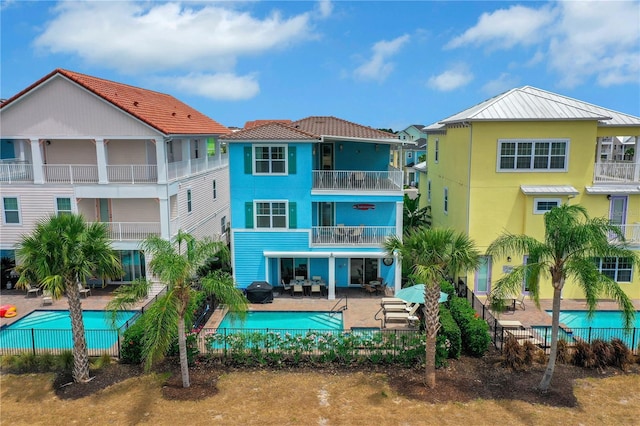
192	348
65	361
442	350
46	362
513	355
26	362
451	333
447	287
529	350
583	355
601	353
132	343
621	355
563	353
475	331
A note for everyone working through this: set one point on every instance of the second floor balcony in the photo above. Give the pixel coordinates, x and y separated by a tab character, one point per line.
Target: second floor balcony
341	235
357	180
631	233
618	172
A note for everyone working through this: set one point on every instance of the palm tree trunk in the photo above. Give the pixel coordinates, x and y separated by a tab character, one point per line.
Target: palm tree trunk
80	353
555	325
182	348
432	325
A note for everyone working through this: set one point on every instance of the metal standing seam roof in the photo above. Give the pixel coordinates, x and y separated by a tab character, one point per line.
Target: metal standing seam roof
161	111
531	104
548	190
613	189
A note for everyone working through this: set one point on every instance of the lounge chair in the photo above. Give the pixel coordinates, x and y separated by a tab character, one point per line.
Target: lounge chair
298	289
398	308
402	316
47	299
392	300
84	291
33	290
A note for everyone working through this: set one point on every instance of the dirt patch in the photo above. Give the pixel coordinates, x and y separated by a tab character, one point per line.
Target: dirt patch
463	380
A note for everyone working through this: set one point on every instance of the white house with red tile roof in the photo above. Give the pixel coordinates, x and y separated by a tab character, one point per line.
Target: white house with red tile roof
140	160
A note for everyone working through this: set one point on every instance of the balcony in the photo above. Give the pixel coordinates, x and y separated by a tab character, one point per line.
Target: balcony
133	173
351	235
13	171
631	233
179	169
70	173
357	180
132	231
616	172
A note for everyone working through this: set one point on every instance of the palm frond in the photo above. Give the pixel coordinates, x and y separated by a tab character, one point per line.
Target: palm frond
161	327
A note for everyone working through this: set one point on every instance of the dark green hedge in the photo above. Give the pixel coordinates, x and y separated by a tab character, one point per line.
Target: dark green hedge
451	332
475	331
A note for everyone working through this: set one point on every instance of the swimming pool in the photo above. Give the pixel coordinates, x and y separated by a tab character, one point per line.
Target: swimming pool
600	319
284	320
51	330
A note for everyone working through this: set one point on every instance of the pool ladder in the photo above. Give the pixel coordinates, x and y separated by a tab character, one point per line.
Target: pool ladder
337	309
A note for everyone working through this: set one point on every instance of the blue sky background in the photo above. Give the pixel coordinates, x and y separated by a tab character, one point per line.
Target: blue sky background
381	64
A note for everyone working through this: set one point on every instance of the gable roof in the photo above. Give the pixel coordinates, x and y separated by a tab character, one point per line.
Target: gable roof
256	123
270	131
531	104
161	111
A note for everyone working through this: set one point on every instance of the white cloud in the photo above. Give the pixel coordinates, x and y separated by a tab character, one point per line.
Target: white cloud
222	86
501	84
324	7
451	79
378	67
597	39
506	28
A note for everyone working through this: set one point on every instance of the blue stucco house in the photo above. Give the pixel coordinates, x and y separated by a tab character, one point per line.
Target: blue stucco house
313	198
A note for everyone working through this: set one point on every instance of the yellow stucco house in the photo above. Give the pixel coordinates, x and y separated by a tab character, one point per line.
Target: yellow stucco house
499	165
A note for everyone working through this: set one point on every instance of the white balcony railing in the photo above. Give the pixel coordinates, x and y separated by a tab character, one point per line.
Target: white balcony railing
70	173
616	172
133	173
16	172
351	235
631	233
132	231
358	180
180	169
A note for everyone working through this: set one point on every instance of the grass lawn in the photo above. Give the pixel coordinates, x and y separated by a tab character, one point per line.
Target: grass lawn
264	397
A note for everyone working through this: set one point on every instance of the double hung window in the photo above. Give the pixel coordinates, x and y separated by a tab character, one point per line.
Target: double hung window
533	155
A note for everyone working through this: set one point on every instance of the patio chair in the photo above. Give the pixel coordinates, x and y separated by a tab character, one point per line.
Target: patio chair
297	289
286	287
315	289
33	290
84	291
369	289
47	299
519	302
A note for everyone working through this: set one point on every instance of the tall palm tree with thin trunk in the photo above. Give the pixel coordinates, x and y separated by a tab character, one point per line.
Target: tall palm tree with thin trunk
572	244
433	255
175	264
61	252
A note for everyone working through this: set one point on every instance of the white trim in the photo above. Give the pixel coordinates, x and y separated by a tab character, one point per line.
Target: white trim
566	141
255	215
72	201
548	190
270	173
536	210
609	189
189	200
4	212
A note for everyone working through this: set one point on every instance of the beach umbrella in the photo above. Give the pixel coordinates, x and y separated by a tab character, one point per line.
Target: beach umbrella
415	294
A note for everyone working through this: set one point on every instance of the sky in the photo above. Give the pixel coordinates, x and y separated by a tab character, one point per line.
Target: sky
384	64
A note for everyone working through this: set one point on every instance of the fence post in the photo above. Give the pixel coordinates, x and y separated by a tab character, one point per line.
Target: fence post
33	340
589	339
119	345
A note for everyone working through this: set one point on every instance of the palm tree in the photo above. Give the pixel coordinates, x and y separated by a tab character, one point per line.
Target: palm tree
572	241
433	255
175	263
61	252
413	216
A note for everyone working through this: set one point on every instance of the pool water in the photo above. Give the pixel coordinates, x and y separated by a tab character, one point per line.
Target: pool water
600	319
284	320
52	330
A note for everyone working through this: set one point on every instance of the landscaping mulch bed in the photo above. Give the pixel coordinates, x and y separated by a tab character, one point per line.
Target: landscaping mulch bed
462	380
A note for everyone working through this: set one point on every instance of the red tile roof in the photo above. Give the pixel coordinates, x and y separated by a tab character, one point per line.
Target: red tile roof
256	123
269	132
159	110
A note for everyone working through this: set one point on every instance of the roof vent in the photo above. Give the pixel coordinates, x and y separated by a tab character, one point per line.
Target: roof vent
188	115
173	114
135	103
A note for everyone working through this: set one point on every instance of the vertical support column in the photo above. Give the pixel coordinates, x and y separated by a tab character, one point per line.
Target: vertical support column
266	269
165	218
36	157
20	154
332	278
101	155
398	272
161	159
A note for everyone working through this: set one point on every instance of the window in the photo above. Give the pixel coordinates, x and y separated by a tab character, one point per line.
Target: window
363	270
223	225
63	205
446	200
271	214
531	155
189	203
195	148
483	275
436	154
409	154
617	268
429	191
11	210
133	265
215	192
543	205
270	159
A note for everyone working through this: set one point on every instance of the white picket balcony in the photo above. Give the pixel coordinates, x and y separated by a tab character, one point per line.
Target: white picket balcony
133	173
616	172
358	180
179	169
351	235
631	233
70	173
12	172
132	231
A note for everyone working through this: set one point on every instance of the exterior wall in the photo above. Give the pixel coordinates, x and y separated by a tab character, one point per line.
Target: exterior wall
124	151
70	151
60	108
35	203
496	201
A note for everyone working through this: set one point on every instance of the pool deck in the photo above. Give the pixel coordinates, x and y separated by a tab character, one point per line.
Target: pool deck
360	312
